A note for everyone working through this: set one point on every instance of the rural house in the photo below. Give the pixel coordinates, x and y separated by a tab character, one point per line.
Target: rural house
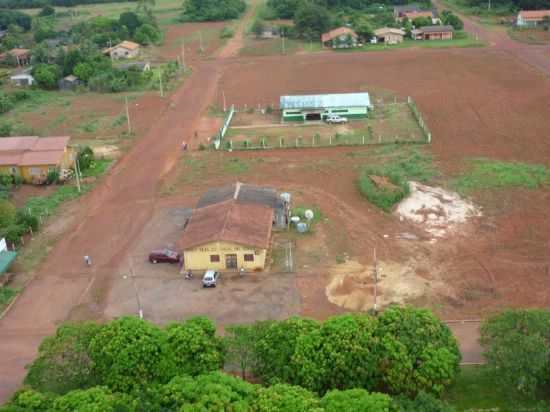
227	236
124	50
399	11
318	107
21	57
531	18
245	193
22	77
70	82
389	35
433	33
339	38
33	157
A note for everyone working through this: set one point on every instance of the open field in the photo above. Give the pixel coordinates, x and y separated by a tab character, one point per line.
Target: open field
530	36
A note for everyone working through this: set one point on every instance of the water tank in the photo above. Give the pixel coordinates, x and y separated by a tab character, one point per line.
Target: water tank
295	219
285	197
309	214
301	227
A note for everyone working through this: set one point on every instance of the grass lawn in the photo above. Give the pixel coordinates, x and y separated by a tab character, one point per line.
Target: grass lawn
530	36
270	47
475	390
6	296
486	174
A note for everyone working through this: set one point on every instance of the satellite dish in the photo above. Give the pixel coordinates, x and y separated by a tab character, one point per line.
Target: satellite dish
309	214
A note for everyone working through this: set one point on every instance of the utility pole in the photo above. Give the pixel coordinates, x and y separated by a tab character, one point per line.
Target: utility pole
224	104
160	83
133	276
128	115
77	172
183	54
283	41
375	283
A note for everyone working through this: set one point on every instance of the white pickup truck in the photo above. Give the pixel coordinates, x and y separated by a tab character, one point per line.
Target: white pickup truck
335	119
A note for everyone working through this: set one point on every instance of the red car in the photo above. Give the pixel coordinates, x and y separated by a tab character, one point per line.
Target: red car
164	256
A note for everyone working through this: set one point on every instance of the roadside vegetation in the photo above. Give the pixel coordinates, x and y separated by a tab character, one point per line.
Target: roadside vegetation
486	174
212	10
385	183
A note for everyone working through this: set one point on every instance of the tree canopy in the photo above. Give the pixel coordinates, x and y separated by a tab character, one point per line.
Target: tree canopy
212	10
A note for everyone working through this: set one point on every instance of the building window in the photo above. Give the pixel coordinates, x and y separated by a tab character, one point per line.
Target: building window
249	257
214	258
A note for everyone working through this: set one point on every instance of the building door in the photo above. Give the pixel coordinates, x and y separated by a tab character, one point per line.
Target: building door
231	261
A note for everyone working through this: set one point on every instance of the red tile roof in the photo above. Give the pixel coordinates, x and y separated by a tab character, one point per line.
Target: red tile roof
229	221
32	150
333	34
411	15
534	14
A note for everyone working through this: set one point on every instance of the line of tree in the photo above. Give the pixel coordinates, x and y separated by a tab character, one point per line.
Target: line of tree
404	352
36	4
512	5
212	10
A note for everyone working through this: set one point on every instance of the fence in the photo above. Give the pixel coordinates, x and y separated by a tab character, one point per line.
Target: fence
420	120
223	130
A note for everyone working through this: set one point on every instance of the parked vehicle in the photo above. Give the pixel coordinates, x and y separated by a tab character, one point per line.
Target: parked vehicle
335	119
164	256
210	279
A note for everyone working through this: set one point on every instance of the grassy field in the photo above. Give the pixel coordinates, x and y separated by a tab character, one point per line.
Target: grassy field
486	174
270	47
486	16
530	36
475	390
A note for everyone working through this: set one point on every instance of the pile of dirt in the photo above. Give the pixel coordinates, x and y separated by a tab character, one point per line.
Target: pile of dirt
383	182
435	209
106	152
352	285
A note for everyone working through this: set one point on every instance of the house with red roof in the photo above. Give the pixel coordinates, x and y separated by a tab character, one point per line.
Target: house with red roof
341	37
531	18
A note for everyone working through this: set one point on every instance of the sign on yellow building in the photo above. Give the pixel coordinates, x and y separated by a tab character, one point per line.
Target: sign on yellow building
227	236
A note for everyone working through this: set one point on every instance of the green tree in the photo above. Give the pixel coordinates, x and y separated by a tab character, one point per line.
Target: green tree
28	400
311	20
422	22
63	361
417	351
451	19
211	392
46	75
130	353
46	11
147	34
284	9
341	354
212	10
240	343
517	349
363	28
275	348
258	27
94	399
7	213
131	20
423	402
84	71
196	348
355	400
85	157
286	398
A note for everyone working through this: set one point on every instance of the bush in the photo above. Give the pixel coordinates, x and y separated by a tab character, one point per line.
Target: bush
6	103
13	233
212	10
25	219
85	157
7	213
46	75
384	198
5	129
52	177
47	11
226	33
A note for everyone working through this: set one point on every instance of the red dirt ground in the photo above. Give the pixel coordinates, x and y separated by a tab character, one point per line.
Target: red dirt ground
478	102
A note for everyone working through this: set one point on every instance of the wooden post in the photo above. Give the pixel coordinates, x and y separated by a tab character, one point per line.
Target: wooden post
363	140
128	115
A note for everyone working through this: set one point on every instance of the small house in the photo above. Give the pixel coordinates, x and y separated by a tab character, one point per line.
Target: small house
32	157
21	57
252	194
270	32
433	33
69	83
124	50
341	37
23	78
399	11
227	236
531	18
389	35
318	107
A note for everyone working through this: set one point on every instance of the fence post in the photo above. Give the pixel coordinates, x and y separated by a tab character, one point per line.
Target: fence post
231	144
330	140
296	142
363	140
429	137
280	142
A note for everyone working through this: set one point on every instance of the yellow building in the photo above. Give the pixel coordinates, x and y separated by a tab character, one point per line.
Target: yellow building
227	236
33	157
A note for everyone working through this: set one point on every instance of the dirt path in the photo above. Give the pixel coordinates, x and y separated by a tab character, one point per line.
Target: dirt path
467	334
236	42
111	219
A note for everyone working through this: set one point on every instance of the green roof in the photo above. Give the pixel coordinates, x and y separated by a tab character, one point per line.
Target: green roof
6	257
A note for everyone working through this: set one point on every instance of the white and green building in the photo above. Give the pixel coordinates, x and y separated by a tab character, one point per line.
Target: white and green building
320	106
